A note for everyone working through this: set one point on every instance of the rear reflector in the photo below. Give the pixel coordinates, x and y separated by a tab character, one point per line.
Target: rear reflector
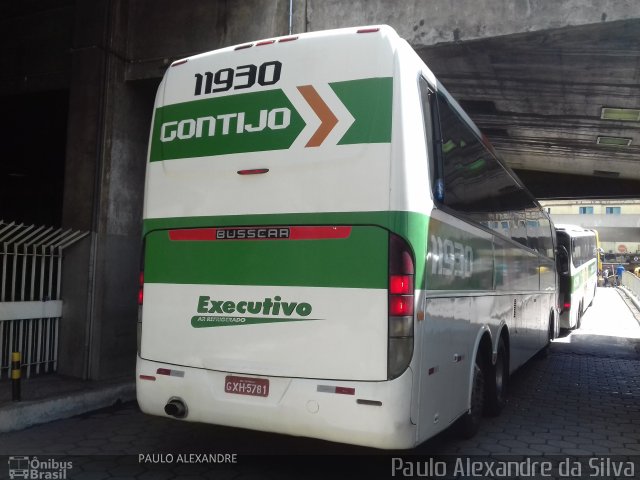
169	372
148	377
265	42
253	171
368	30
287	39
567	306
338	390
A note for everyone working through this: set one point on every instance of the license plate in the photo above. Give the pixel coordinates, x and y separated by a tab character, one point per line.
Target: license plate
256	387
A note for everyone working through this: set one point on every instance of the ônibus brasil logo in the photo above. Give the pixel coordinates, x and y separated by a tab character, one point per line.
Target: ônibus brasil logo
229	313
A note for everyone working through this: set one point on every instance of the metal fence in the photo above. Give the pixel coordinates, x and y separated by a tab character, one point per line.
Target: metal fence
30	302
631	283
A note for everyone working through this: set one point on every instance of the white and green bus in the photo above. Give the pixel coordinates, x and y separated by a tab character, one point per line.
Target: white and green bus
577	271
331	248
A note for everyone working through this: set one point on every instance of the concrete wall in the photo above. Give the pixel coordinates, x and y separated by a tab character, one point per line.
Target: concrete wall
34	46
569	207
163	30
427	22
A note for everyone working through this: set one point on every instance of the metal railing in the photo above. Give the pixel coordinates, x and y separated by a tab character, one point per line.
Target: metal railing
30	302
631	283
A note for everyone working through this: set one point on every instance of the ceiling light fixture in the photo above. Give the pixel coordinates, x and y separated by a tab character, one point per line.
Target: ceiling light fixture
621	114
614	141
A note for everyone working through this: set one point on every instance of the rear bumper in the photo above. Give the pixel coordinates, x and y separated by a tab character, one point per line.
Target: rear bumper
294	406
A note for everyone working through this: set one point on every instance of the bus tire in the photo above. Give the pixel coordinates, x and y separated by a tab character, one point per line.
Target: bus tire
469	424
497	386
579	319
551	334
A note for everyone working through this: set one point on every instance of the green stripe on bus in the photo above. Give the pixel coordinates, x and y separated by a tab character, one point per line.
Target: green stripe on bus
457	259
164	265
347	263
579	278
370	103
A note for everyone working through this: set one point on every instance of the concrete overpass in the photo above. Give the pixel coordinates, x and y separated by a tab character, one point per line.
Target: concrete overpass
534	74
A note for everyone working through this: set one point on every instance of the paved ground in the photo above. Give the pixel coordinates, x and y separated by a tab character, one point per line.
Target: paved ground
583	399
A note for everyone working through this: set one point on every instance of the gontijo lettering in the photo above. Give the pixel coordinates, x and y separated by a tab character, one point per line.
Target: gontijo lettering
268	306
224	124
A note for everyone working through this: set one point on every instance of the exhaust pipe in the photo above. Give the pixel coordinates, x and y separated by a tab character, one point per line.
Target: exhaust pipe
176	408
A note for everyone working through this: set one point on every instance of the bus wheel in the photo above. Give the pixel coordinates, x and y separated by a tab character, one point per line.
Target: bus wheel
579	319
497	386
469	424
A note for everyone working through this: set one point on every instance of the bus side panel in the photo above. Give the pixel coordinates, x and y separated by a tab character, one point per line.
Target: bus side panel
447	332
459	266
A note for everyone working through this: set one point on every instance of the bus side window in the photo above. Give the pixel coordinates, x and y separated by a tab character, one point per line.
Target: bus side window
432	136
475	183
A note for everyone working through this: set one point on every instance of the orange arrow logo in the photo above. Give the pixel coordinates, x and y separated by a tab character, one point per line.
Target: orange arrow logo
327	119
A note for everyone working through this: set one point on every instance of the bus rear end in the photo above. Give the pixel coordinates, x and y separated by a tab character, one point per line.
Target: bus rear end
278	288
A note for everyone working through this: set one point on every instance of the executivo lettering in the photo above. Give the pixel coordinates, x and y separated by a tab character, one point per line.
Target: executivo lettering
229	313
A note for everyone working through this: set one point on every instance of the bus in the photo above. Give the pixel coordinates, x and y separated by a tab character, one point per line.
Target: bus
599	251
331	247
577	271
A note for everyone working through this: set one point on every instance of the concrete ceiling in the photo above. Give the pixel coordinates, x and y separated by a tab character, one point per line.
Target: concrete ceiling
538	97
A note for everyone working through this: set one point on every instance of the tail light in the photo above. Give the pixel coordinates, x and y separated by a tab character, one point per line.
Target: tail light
401	301
141	289
565	302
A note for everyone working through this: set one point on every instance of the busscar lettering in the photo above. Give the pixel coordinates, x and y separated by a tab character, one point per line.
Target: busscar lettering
258	233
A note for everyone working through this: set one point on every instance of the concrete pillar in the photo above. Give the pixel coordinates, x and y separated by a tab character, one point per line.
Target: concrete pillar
103	194
84	150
